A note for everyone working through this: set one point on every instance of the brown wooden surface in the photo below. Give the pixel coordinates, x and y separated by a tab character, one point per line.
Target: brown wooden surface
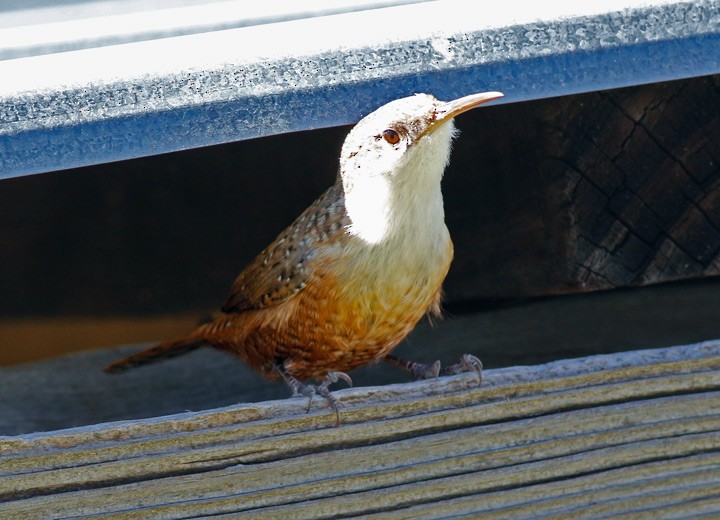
634	434
594	191
644	181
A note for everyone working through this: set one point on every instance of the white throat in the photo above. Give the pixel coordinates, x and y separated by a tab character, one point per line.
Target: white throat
369	207
405	203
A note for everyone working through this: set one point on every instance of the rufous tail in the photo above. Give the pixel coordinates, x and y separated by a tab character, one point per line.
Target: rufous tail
165	350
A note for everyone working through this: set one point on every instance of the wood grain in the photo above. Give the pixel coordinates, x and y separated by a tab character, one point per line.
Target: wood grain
643	173
623	434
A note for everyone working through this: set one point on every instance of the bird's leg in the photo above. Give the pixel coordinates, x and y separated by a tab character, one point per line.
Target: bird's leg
296	387
467	363
323	390
418	370
299	388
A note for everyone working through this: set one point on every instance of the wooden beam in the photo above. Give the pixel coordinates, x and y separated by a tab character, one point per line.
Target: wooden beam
594	191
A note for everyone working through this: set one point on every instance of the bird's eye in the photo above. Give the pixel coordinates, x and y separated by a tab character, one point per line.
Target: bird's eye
391	136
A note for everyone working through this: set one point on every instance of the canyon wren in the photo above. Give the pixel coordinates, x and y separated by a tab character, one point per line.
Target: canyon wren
352	276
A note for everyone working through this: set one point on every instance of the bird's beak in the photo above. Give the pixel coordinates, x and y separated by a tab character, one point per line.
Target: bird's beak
449	110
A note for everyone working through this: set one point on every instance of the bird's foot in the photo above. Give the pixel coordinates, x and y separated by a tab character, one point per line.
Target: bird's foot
467	363
417	370
299	388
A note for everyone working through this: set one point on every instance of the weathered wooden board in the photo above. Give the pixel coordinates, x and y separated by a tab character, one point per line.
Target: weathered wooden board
644	172
594	191
635	434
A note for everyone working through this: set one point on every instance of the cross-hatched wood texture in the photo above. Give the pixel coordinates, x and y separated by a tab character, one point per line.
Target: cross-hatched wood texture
634	434
642	168
593	191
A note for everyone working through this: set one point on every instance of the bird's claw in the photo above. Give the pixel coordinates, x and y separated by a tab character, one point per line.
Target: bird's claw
467	363
425	371
334	377
417	370
323	389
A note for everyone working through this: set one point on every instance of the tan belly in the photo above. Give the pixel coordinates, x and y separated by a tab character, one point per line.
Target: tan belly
333	324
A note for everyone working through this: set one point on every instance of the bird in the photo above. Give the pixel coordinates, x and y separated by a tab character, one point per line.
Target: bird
350	278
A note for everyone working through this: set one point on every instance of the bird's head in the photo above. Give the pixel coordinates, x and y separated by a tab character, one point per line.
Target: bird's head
392	161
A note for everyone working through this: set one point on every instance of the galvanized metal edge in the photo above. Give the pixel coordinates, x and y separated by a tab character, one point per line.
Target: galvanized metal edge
99	105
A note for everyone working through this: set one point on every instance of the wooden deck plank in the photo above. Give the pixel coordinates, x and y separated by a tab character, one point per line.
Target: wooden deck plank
563	496
606	435
435	456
